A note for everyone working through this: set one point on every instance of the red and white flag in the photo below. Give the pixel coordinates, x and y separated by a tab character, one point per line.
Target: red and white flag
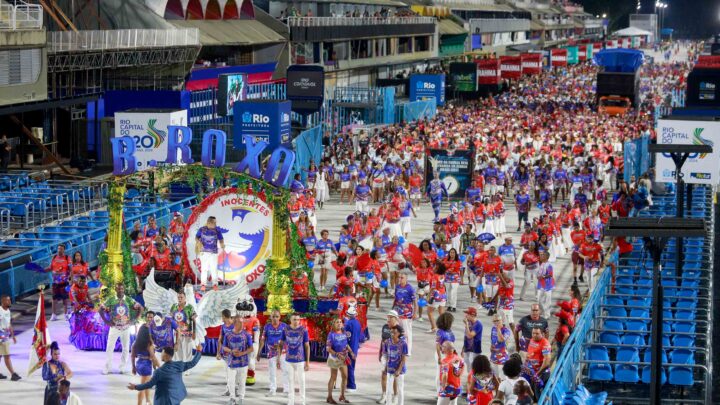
41	338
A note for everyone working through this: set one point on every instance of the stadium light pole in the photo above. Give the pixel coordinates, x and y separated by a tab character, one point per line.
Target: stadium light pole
679	154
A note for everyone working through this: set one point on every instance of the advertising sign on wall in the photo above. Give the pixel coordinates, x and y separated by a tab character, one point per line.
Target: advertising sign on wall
306	87
510	67
558	57
463	76
232	88
699	168
531	63
264	120
424	87
488	71
247	232
455	169
149	131
572	55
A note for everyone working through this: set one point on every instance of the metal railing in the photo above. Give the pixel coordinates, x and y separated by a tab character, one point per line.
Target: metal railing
355	21
68	41
568	365
21	16
15	280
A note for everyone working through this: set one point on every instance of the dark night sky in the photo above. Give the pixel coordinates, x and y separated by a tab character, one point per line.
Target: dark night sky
689	18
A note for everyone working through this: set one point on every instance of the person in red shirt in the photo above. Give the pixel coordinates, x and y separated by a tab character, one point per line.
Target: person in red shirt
530	259
301	287
437	294
538	360
60	268
528	236
424	273
451	369
591	251
415	184
491	270
577	237
162	257
345	284
80	295
79	267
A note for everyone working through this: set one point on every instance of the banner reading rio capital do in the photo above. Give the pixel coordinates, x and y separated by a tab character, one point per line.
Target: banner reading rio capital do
699	168
149	132
245	222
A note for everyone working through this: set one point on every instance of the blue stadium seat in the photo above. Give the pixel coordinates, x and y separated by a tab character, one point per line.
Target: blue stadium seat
687	327
683	341
678	375
611	334
627	373
645	377
599	371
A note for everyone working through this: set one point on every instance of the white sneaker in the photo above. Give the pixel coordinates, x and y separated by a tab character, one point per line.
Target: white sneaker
187	373
53	318
381	400
270	394
226	394
123	371
105	371
351	389
395	400
419	319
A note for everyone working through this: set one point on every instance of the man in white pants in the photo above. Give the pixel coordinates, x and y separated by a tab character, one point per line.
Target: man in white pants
546	285
271	339
236	346
396	351
297	341
119	312
406	305
185	317
207	240
362	194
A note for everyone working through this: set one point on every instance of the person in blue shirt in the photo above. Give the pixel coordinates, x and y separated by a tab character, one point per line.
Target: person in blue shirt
361	195
435	191
271	340
207	240
406	306
236	346
297	342
167	379
472	342
395	350
354	331
324	255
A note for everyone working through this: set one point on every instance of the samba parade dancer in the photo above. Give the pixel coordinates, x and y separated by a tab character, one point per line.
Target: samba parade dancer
435	191
186	319
119	312
207	240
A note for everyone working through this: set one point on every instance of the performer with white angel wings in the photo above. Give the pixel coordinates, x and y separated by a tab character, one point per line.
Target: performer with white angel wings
191	318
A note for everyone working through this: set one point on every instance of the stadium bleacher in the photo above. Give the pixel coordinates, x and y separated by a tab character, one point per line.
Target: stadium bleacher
609	350
37	216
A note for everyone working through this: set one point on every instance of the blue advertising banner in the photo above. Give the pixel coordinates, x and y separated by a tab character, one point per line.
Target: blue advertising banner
264	120
423	87
455	169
